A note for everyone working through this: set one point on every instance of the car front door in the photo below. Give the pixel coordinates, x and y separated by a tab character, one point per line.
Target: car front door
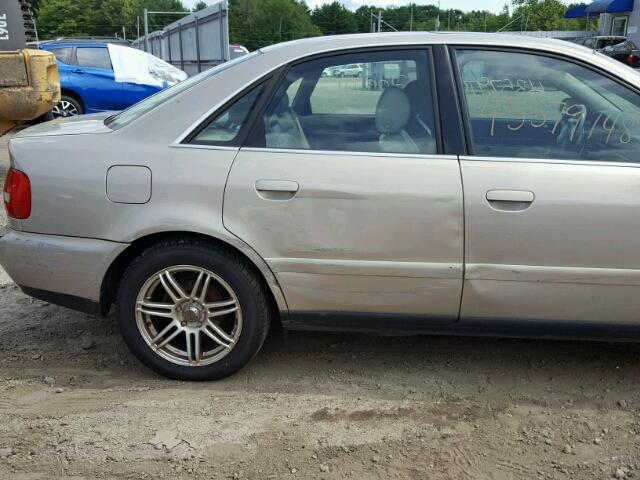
552	190
93	79
367	224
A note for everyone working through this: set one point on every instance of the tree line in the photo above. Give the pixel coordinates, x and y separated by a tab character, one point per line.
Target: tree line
256	23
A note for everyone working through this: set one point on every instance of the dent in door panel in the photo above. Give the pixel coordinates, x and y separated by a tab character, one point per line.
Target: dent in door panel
356	224
572	255
376	294
509	300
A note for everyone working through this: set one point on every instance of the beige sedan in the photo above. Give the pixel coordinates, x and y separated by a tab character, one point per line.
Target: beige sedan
471	184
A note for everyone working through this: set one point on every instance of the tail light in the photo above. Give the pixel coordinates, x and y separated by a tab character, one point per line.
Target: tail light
17	194
630	59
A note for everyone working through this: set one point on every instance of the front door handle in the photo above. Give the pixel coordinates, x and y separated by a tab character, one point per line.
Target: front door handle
78	71
510	200
277	189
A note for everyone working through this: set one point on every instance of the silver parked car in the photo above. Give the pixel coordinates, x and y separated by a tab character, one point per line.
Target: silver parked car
479	184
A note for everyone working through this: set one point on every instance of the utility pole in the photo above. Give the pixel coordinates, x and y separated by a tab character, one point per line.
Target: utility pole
379	21
411	19
146	30
124	32
138	24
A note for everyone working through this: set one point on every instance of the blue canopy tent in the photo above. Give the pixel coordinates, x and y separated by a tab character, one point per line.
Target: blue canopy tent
576	12
600	6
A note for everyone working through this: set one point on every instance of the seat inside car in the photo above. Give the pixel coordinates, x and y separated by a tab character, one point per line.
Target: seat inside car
392	117
420	125
282	126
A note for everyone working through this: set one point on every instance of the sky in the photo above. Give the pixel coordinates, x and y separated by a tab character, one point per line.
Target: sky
491	5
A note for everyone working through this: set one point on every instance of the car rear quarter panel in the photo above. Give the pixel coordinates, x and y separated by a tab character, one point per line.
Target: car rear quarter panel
68	182
69	196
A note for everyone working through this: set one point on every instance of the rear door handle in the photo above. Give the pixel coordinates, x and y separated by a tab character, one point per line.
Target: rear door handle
78	71
277	189
510	200
510	196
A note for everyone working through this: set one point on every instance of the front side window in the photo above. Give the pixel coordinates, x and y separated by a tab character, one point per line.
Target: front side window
377	102
225	127
93	57
532	106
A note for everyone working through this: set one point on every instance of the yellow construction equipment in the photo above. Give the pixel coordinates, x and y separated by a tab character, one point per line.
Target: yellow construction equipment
29	81
29	86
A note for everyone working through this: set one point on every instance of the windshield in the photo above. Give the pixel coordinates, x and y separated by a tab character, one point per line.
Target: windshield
130	114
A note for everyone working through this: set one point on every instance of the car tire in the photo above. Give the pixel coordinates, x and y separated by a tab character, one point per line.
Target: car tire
67	107
239	334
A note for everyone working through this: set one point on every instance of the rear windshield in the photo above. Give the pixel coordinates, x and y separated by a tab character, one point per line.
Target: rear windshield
130	114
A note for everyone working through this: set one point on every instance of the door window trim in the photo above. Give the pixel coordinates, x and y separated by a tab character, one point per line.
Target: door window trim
454	139
488	48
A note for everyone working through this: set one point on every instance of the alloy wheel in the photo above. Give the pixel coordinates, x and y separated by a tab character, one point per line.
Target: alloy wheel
64	109
188	315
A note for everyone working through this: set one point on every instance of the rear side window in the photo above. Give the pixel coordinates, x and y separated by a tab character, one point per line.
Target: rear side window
378	102
225	127
62	54
97	57
534	106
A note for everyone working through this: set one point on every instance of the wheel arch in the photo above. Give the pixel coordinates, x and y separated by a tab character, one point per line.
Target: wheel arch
113	275
72	93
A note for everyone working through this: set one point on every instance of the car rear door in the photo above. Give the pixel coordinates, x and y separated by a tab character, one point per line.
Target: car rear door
552	189
93	79
135	92
368	230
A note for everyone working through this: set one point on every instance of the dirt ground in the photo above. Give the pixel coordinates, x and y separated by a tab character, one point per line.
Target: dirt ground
75	404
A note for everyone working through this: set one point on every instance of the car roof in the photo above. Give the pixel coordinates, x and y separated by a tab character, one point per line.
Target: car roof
44	46
100	41
356	40
318	45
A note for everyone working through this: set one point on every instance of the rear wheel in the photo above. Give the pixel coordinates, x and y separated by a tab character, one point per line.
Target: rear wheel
68	107
191	310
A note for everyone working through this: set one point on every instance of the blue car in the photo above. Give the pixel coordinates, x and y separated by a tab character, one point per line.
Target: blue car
87	79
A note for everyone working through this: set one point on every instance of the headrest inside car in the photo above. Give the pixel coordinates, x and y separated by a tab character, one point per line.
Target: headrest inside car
393	111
